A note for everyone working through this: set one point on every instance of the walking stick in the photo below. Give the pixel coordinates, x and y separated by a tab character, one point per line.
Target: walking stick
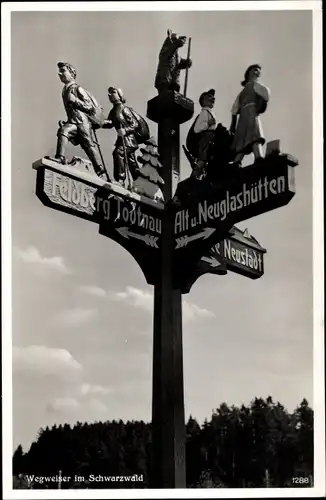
99	150
187	69
128	174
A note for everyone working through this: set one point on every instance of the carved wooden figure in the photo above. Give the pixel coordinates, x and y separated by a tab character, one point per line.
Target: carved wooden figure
170	63
246	126
132	130
202	131
84	115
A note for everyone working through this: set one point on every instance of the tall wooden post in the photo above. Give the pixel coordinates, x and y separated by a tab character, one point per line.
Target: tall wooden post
168	417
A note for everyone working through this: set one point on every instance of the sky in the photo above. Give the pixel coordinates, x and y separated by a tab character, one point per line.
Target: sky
82	311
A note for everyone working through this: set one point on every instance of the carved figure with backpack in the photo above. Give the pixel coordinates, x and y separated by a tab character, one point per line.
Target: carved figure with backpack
84	115
132	130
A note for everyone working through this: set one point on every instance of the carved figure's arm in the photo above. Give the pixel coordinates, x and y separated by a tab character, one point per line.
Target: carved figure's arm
233	125
133	125
235	107
262	91
185	63
108	123
262	97
82	101
234	112
203	121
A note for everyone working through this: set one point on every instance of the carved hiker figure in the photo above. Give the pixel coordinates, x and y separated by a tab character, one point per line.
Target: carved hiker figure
209	144
84	115
249	104
132	130
202	132
170	63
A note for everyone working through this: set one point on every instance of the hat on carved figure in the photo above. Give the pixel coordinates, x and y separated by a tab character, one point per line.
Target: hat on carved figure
119	92
210	92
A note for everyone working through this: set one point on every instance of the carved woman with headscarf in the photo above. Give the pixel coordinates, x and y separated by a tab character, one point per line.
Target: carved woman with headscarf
245	125
123	120
132	130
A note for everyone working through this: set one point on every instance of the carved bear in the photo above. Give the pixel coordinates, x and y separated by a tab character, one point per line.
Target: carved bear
170	63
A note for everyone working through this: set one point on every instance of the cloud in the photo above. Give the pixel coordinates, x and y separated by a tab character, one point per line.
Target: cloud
76	317
98	407
69	406
49	387
44	360
137	298
93	290
32	256
191	311
93	390
63	404
144	300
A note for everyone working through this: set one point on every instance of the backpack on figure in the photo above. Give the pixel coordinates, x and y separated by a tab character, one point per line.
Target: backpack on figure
96	115
142	133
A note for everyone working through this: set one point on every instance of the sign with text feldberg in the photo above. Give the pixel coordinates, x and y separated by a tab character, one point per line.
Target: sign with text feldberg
85	195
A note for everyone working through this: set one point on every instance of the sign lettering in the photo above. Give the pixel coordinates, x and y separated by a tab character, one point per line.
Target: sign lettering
240	257
244	256
133	215
249	194
68	192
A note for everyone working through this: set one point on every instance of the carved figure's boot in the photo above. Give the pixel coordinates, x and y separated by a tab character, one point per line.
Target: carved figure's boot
258	153
133	166
61	148
119	169
60	151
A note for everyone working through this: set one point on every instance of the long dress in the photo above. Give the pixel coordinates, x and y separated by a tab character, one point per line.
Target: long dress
125	147
251	102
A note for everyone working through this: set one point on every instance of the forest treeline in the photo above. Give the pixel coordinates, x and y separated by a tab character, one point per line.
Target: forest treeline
259	445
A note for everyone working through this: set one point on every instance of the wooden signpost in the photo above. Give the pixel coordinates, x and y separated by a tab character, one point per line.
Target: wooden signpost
173	248
173	243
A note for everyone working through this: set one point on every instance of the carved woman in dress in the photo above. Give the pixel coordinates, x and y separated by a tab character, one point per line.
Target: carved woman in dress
245	125
124	121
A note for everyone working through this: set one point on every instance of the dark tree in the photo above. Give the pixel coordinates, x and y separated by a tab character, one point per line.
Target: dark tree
18	461
260	445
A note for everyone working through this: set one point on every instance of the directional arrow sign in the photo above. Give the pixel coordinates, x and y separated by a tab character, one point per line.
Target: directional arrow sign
252	191
150	240
138	229
128	218
213	262
184	240
241	254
